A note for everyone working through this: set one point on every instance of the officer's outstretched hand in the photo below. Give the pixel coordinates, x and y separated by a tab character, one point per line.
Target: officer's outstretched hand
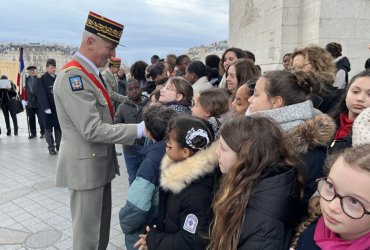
47	111
140	132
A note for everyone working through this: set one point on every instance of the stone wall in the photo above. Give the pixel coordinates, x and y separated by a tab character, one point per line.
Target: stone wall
272	28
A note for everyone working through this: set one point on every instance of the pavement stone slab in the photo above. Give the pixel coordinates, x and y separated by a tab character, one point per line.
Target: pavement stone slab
31	205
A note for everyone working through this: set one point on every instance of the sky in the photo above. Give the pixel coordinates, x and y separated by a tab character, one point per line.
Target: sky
151	26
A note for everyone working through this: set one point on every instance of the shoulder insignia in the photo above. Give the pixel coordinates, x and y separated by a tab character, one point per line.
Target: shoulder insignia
71	68
76	83
191	223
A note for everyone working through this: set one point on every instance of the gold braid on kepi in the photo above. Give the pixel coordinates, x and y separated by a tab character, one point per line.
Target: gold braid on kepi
104	27
115	62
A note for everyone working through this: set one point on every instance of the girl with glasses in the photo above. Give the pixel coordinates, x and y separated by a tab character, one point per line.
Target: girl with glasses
345	205
177	94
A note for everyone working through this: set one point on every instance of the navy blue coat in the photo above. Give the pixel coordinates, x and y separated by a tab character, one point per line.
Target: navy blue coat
46	100
306	240
142	202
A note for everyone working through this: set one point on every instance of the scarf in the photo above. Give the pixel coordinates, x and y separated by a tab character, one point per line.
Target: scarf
327	240
345	126
289	117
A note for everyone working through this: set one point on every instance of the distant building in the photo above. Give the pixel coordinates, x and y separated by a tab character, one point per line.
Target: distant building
33	54
200	52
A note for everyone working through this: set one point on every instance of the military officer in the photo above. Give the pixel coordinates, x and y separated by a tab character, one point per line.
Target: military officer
110	78
87	160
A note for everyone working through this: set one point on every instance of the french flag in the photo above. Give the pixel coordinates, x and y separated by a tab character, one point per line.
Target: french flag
20	82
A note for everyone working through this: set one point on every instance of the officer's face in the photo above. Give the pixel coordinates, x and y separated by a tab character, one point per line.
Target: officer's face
103	51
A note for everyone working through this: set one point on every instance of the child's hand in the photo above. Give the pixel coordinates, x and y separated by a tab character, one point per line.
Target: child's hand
141	243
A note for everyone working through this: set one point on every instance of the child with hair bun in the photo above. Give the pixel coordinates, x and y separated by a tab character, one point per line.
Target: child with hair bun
283	96
187	183
177	94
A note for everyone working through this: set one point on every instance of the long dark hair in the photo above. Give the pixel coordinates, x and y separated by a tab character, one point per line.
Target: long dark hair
341	106
245	71
293	87
259	145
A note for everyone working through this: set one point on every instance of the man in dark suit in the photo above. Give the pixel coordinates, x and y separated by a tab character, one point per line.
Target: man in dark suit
29	95
47	106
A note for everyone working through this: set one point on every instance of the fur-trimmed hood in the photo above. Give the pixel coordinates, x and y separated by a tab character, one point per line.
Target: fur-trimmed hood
315	132
176	176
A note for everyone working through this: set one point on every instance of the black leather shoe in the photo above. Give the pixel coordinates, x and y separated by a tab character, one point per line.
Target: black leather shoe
31	136
52	151
42	136
8	132
15	131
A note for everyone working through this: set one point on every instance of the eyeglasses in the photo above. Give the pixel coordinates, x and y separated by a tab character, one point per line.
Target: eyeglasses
350	206
299	67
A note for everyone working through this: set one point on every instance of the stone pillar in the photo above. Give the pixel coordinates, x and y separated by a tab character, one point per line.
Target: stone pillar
271	28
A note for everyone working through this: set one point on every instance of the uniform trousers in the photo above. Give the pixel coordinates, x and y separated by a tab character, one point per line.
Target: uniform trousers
32	113
50	139
91	215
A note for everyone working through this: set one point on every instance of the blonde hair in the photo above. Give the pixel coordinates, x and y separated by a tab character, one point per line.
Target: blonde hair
357	157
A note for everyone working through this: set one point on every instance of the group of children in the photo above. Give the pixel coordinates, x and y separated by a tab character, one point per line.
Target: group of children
241	172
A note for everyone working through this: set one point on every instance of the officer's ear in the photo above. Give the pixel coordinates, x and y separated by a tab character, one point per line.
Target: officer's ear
90	41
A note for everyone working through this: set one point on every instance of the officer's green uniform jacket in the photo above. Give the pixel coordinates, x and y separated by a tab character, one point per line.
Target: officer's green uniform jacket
87	157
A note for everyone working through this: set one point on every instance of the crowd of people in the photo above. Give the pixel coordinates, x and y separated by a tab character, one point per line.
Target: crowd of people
219	155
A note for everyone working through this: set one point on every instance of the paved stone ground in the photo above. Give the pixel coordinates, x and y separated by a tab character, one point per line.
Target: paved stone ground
34	214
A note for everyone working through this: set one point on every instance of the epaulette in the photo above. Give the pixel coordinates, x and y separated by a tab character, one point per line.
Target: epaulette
72	68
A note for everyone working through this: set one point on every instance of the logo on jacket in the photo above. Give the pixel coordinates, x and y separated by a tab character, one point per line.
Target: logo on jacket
191	223
76	83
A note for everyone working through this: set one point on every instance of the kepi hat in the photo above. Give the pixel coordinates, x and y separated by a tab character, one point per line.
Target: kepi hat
104	27
116	62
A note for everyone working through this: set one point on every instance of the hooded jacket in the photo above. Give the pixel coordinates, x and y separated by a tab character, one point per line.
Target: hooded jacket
310	140
307	133
142	200
185	198
343	67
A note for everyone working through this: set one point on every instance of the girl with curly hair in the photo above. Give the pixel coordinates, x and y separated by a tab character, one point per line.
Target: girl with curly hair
318	61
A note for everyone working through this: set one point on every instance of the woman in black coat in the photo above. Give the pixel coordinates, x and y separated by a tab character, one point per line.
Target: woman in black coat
5	96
